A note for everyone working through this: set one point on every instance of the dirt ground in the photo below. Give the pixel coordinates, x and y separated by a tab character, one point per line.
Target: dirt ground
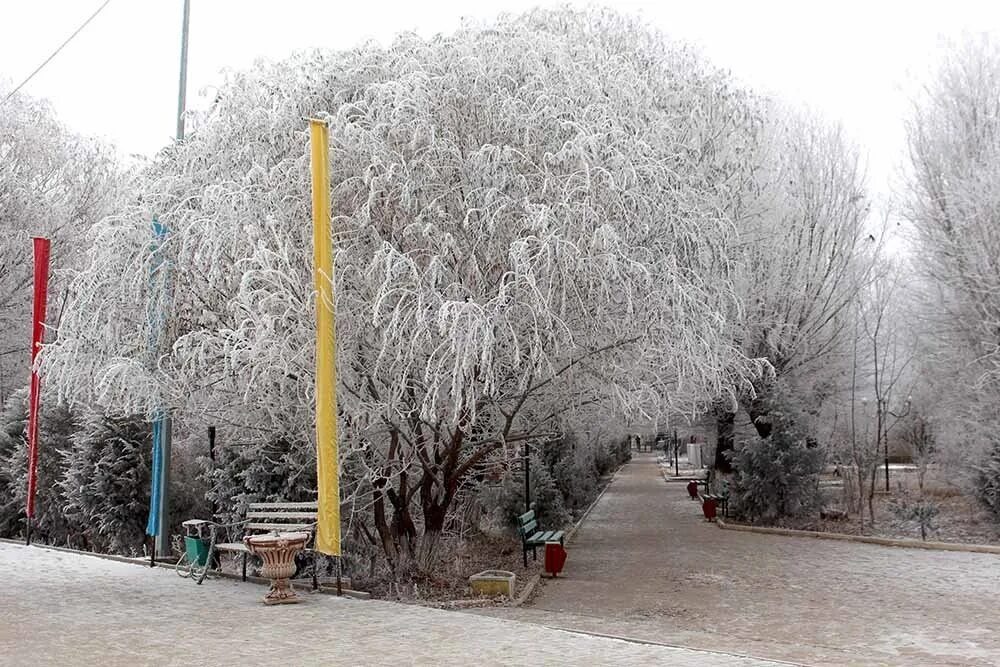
646	565
962	518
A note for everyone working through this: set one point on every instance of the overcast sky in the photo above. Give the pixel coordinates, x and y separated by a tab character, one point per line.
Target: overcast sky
854	62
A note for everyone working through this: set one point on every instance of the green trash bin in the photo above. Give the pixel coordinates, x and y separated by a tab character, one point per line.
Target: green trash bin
197	550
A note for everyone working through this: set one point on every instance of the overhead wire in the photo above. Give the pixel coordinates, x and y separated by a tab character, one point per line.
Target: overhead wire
56	52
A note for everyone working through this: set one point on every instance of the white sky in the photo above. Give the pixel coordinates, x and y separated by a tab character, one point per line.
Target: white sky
855	62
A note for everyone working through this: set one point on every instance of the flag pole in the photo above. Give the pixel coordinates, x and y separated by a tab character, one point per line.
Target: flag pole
328	518
41	248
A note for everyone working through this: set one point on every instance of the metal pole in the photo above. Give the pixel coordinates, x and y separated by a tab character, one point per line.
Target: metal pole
162	542
885	435
163	537
182	92
677	462
527	477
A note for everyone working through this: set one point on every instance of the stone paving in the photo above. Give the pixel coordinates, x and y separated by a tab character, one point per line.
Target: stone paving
69	609
645	564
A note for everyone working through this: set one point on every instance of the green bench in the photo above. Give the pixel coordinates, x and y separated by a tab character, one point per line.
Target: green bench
532	537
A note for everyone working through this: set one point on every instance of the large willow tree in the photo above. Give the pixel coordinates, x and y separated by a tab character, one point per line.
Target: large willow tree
953	205
530	219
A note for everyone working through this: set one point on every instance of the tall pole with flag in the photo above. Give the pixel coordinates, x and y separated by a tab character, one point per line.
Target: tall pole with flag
156	525
41	256
328	519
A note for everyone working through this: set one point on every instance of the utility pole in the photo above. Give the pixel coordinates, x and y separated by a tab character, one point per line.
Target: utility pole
182	92
162	545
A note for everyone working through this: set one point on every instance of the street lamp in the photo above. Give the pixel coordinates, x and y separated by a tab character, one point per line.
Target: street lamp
527	477
884	407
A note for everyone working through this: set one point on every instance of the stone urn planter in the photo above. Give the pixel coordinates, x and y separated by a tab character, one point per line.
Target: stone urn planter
493	582
278	551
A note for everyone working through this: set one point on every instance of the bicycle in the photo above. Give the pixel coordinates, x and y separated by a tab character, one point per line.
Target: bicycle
196	557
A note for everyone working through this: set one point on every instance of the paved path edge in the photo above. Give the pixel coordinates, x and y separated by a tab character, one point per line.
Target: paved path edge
572	531
144	562
882	541
650	642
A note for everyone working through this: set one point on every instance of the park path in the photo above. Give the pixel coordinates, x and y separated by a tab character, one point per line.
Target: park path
64	608
645	565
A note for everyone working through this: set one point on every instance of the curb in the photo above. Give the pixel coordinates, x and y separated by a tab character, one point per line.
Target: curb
325	589
526	592
649	642
571	533
881	541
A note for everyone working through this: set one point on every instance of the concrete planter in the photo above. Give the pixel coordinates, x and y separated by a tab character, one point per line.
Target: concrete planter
493	582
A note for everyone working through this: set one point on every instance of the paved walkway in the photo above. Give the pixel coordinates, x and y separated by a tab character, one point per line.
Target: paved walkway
69	609
644	564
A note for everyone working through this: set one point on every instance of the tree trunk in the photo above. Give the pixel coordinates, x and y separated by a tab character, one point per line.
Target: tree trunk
760	415
871	496
724	427
404	531
382	526
434	516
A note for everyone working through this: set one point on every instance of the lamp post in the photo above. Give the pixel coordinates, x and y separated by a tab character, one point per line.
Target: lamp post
884	406
527	478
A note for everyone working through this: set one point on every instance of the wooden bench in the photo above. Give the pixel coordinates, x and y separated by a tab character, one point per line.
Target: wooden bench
532	537
275	518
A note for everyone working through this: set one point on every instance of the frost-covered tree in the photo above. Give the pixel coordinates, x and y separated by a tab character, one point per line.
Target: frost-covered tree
106	483
953	205
529	218
806	254
56	425
52	183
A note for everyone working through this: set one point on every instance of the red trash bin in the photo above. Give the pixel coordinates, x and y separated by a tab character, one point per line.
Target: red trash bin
555	557
692	488
708	506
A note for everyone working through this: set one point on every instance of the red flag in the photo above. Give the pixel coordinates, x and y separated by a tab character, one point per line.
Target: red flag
37	333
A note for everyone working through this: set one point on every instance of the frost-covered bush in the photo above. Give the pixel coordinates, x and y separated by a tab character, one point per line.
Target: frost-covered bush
281	470
505	501
106	484
920	513
777	477
56	427
577	463
13	421
988	480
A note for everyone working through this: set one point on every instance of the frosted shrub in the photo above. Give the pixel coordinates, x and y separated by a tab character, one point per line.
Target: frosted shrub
777	477
51	524
107	482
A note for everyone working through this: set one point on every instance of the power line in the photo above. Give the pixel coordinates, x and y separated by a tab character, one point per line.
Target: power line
56	52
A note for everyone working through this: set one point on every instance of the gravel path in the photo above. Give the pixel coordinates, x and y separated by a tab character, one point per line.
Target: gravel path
69	609
644	564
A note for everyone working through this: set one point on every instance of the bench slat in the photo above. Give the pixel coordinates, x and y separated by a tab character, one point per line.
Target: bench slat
286	506
527	517
281	515
231	546
282	527
529	528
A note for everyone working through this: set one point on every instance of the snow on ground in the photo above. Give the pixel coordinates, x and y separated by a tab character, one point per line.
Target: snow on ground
63	608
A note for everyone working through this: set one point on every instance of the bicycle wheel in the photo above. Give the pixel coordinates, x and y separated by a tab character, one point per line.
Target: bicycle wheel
199	572
184	567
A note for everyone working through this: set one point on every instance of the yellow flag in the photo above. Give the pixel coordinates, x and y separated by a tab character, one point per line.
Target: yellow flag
328	519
